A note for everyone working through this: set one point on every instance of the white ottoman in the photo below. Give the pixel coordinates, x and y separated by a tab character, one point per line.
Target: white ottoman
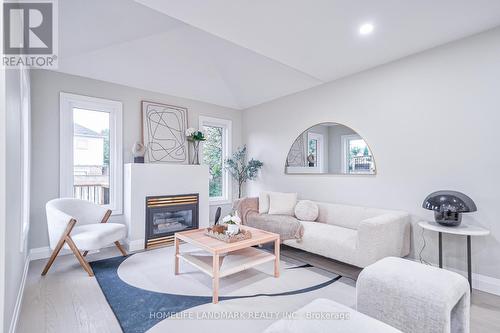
326	316
414	297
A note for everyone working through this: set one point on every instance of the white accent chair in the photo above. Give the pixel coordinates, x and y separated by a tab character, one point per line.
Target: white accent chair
80	225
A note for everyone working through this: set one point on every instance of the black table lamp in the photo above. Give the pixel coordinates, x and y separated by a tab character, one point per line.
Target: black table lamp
448	206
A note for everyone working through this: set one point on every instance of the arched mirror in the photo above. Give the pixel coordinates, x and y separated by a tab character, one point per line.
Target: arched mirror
330	148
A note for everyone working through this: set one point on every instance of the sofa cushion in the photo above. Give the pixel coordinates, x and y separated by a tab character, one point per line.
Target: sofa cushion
282	203
346	215
327	240
306	210
263	202
98	235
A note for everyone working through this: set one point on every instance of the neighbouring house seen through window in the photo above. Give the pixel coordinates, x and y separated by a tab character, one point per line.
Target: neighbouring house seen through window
91	156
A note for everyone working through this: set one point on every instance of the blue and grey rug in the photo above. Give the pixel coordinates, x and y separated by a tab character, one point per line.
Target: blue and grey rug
146	296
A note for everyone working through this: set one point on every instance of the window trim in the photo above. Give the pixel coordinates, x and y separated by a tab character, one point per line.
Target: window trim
345	148
226	153
320	139
69	101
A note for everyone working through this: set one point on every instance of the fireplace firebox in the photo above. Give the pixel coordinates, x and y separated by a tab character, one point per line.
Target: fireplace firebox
168	214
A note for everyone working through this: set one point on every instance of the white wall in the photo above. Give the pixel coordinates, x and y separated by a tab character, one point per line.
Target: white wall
15	256
432	122
46	86
3	189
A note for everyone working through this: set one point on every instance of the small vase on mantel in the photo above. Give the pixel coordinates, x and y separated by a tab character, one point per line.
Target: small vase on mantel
195	137
196	153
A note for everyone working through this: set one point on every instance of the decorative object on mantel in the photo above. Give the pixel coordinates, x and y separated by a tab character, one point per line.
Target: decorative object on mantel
217	215
232	222
138	151
228	237
195	137
164	128
448	206
240	169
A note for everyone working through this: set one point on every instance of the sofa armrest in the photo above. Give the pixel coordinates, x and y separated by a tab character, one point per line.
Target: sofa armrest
384	235
245	206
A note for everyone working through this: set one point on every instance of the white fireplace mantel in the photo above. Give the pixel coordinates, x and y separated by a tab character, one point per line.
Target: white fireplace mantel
147	179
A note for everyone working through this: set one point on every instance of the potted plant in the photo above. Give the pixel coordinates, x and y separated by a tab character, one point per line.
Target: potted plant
195	137
233	222
240	169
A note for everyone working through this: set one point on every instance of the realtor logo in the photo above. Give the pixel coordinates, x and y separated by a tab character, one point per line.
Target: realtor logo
29	34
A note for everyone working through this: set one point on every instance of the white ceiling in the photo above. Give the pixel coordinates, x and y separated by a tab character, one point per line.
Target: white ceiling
240	53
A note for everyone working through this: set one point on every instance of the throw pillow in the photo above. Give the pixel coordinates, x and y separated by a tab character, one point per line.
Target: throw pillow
306	210
282	203
264	202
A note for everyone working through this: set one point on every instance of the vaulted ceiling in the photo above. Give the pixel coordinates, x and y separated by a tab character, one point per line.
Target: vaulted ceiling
240	53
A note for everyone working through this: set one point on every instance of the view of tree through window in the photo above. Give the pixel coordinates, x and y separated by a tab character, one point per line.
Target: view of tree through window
312	154
212	156
91	162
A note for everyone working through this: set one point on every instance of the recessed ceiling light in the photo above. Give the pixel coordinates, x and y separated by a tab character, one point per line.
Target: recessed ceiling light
366	29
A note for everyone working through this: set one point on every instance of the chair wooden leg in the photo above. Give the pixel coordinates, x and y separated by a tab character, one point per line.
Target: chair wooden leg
59	246
79	256
119	246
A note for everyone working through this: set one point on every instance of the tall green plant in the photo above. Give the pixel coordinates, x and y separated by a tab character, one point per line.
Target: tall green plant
240	169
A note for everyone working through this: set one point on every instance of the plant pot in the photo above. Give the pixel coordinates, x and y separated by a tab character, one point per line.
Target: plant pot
233	228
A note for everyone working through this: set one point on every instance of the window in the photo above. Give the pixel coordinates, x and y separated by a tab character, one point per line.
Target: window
315	158
91	150
215	150
357	157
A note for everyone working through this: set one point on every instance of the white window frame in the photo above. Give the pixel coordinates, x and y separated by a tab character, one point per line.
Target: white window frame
345	149
226	124
320	139
67	102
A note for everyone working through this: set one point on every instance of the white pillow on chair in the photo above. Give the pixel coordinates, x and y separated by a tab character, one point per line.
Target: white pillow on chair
282	203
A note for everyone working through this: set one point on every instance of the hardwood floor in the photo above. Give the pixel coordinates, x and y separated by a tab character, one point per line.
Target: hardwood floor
68	300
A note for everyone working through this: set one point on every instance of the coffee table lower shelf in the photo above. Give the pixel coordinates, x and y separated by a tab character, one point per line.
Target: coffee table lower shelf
219	259
232	262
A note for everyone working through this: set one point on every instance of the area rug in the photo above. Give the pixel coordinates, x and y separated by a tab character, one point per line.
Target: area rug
146	296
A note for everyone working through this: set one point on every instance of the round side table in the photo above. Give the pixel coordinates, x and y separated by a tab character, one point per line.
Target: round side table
463	230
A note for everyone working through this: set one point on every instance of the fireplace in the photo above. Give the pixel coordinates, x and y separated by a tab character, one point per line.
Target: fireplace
168	214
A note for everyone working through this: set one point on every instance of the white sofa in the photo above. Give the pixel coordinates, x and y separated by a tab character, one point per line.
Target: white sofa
355	235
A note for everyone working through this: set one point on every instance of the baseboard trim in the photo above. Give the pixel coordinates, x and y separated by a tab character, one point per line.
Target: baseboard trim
480	282
45	252
135	245
39	253
19	299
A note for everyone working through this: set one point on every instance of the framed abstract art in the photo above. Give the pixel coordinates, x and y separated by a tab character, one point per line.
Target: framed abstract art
164	127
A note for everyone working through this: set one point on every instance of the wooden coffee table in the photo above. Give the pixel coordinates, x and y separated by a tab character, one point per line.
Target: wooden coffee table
245	255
